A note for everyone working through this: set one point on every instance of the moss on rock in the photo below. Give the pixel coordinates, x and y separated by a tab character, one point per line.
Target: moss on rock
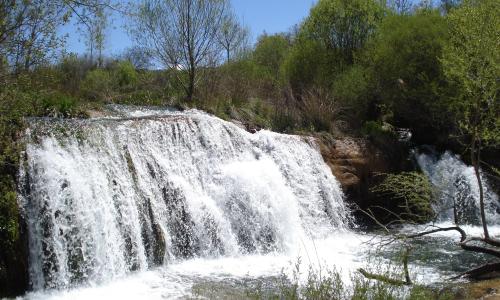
409	195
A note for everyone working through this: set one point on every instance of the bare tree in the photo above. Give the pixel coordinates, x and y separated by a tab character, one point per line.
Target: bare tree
28	36
401	7
426	4
94	32
29	29
139	57
182	34
12	16
232	35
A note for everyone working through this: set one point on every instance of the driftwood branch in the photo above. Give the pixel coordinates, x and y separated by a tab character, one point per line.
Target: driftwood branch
490	246
464	241
383	278
388	279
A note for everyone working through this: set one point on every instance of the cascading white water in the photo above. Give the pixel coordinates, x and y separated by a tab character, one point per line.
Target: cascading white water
457	186
104	197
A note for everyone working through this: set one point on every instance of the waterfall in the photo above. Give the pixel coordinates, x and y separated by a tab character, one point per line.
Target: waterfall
103	197
456	186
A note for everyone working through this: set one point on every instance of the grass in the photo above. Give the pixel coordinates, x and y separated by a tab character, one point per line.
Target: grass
328	283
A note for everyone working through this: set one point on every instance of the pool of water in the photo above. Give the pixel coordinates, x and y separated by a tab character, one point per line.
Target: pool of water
433	259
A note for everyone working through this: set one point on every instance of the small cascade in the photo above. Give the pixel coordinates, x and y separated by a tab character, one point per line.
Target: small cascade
105	197
458	190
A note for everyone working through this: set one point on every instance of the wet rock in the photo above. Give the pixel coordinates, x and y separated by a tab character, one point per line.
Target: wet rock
356	162
353	162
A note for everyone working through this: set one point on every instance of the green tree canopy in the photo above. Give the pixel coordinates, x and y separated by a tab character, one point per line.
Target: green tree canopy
471	60
403	59
270	52
307	64
343	26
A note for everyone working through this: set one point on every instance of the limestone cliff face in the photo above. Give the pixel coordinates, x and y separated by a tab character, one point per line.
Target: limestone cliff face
357	161
352	161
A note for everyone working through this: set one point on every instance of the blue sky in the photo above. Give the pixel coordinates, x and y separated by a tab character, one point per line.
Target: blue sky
270	16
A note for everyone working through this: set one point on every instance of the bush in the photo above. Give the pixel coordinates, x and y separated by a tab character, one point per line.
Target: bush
351	89
308	64
57	104
9	227
126	74
98	85
74	69
319	110
285	120
14	104
270	52
242	80
377	129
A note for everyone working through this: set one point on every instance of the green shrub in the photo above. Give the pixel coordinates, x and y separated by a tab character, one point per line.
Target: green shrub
375	128
424	293
9	226
343	26
142	97
14	104
285	120
244	79
270	52
74	69
126	74
58	105
307	64
351	89
319	110
98	85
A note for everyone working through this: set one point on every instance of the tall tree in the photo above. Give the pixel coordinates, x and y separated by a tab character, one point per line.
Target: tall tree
29	29
232	35
138	56
343	26
471	60
35	42
182	33
12	16
94	32
402	61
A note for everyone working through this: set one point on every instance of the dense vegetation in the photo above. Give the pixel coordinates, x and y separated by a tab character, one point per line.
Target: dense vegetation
358	67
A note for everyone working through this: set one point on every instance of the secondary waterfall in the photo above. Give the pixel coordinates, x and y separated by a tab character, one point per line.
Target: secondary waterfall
106	196
456	186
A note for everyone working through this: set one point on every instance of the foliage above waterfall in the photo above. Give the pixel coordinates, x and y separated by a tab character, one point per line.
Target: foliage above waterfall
471	61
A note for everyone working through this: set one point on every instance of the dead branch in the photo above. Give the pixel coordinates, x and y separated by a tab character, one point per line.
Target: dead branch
383	278
463	240
478	272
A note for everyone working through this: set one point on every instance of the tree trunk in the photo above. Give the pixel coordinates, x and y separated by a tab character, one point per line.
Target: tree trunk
99	59
475	158
192	78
